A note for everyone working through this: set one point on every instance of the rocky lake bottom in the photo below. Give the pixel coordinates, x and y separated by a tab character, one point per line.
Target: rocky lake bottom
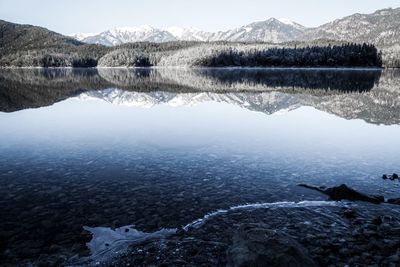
121	177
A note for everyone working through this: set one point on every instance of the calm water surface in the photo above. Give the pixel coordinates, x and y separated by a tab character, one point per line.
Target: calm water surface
161	148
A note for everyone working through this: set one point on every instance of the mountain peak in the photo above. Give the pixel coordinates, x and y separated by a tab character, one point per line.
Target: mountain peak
81	36
287	21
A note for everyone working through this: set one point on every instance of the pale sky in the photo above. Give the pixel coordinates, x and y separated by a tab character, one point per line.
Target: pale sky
71	16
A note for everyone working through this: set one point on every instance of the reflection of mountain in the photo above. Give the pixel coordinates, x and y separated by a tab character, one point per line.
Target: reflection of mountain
267	102
376	107
267	91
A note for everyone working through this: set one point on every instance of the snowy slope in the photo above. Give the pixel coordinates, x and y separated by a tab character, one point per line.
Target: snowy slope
271	30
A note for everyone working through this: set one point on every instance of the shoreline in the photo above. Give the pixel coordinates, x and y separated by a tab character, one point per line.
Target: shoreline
325	235
213	68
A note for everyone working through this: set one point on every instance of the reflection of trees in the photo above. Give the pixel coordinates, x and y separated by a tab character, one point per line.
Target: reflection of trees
32	88
248	79
335	79
47	77
197	79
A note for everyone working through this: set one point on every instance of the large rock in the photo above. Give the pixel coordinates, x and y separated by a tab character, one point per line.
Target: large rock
255	245
344	192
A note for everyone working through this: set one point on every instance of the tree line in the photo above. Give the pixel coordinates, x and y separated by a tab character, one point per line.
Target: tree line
346	55
199	54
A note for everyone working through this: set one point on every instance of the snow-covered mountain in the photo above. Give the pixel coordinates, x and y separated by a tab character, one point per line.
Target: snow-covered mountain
381	27
127	35
271	30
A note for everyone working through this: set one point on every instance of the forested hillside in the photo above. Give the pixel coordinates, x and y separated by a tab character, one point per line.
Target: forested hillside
27	45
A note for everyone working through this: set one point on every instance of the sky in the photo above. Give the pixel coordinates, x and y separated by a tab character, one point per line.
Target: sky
72	16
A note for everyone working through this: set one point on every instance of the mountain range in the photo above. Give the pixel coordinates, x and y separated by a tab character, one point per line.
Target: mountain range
381	27
271	30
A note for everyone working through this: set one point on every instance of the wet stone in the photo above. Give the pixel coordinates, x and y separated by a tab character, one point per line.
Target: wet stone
394	258
350	213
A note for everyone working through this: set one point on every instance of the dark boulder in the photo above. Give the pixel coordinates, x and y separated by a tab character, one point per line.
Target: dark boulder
344	192
256	245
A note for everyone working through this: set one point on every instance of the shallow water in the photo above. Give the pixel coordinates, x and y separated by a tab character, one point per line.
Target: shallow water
162	148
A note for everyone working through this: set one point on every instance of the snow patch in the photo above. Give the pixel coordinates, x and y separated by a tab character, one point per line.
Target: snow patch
287	21
141	28
81	36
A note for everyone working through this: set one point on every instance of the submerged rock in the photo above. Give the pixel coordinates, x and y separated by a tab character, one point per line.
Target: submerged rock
344	192
395	201
256	245
392	177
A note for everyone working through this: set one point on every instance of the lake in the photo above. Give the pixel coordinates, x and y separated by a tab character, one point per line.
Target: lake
162	148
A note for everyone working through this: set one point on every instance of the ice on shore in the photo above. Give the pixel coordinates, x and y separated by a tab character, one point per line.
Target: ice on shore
107	243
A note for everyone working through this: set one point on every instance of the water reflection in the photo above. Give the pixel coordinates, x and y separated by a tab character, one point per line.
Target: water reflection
202	79
369	95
